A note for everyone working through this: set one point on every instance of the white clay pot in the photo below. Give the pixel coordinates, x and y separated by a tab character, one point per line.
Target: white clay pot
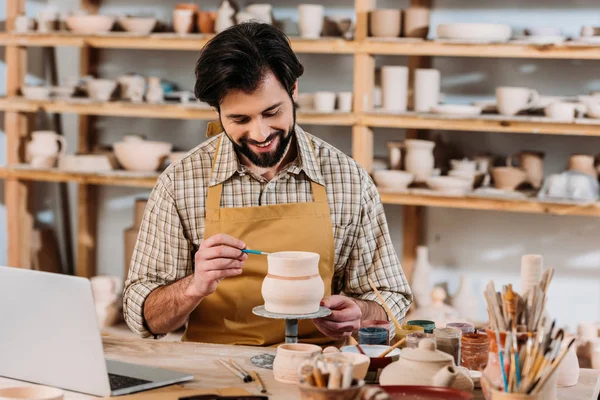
45	144
293	284
419	158
288	359
568	370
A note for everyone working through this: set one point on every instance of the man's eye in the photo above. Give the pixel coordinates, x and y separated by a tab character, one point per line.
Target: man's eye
269	115
242	121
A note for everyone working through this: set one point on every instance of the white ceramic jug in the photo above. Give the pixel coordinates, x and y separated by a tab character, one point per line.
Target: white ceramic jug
46	143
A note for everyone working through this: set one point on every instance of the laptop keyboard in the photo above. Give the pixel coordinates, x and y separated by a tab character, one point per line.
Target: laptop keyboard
121	382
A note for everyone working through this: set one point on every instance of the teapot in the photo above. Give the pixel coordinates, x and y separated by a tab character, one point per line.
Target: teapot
426	366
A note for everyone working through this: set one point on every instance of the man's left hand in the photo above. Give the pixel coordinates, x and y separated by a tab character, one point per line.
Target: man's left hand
345	317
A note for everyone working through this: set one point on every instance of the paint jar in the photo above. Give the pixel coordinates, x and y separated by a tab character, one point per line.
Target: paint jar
474	351
448	341
406	329
413	339
428	326
374	332
465	327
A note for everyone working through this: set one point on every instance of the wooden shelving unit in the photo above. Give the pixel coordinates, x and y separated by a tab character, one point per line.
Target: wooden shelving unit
362	120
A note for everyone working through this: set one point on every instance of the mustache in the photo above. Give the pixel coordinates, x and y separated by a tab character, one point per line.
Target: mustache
269	138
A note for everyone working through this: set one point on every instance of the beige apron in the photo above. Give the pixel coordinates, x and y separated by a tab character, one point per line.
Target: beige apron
226	315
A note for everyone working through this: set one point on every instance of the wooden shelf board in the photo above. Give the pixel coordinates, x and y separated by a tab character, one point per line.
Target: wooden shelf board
482	123
145	110
112	178
491	204
162	41
493	50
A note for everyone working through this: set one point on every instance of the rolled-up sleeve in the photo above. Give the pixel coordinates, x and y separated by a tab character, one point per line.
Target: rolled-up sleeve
162	255
373	256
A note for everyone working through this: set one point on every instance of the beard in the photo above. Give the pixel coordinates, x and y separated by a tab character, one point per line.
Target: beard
273	157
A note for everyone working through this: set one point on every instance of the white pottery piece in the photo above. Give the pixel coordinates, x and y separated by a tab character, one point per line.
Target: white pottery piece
419	158
225	15
508	178
568	370
62	92
36	92
85	163
570	185
90	24
155	93
360	362
31	392
385	22
450	185
511	100
23	24
437	310
562	111
44	148
101	89
324	101
583	163
592	109
427	89
283	295
456	109
344	102
262	12
464	165
288	359
394	88
426	366
306	101
395	155
310	20
416	22
464	301
532	266
474	31
421	281
138	25
106	291
393	180
132	87
47	20
142	155
183	21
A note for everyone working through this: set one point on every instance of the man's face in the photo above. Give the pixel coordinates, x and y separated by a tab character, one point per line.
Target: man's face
260	124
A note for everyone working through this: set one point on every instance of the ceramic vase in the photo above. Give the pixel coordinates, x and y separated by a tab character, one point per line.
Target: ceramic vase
385	23
531	271
225	15
288	359
310	20
568	370
44	148
293	284
394	87
416	22
419	158
155	93
344	102
533	164
464	301
427	89
421	283
582	163
206	21
183	21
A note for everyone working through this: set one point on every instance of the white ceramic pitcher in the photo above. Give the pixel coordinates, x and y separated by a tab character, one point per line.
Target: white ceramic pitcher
46	143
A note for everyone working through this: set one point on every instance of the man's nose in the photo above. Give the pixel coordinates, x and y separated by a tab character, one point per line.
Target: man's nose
259	131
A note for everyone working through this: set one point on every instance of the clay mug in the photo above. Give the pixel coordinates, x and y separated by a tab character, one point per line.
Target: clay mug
533	164
344	102
511	100
385	23
289	358
310	20
324	101
23	24
206	21
416	22
582	163
562	111
508	178
183	21
427	89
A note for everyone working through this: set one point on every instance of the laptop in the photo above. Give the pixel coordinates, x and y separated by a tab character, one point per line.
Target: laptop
49	335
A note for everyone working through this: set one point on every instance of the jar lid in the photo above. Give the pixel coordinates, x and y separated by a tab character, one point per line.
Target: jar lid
448	333
428	325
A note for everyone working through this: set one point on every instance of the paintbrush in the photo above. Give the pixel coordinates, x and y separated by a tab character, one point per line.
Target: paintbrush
235	371
242	370
385	306
360	350
395	346
248	251
259	381
515	353
501	356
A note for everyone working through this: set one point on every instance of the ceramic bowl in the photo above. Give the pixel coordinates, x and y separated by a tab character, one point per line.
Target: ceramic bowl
474	31
385	23
31	393
508	178
449	184
90	24
456	109
289	358
36	92
101	89
141	26
393	179
142	156
62	92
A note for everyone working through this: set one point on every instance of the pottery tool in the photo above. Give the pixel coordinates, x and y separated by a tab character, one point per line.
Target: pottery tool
385	306
235	371
259	382
260	253
395	346
239	368
360	350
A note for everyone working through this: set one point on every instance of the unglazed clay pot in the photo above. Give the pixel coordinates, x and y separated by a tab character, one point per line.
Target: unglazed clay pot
508	178
416	22
419	158
206	21
183	21
582	163
293	284
385	23
533	164
288	359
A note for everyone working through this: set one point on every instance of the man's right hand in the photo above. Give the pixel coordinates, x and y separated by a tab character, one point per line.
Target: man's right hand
219	257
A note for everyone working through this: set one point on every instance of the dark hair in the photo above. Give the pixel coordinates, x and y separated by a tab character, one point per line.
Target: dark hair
238	59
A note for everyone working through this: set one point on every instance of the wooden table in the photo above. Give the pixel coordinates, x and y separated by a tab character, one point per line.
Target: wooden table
199	360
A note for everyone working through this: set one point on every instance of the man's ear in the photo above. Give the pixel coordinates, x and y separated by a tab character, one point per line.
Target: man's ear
295	91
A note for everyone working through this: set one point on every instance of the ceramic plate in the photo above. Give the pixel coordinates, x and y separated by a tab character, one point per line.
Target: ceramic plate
426	393
456	109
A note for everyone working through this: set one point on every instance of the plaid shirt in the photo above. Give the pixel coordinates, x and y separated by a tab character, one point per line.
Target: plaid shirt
174	220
